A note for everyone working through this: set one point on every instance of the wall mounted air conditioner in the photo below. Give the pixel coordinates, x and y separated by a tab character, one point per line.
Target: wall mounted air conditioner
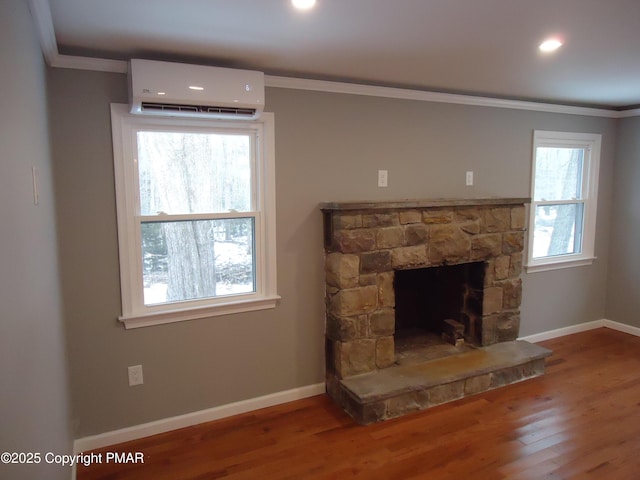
176	89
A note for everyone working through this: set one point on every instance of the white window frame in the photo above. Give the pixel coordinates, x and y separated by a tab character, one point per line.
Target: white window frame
134	312
591	143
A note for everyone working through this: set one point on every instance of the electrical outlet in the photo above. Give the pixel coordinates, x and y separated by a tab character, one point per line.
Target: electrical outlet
469	179
135	375
383	178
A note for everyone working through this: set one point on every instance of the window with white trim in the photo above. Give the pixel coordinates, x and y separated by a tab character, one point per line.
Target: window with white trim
196	216
564	197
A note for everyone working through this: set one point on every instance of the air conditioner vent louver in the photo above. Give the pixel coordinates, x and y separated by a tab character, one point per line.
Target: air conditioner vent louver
166	107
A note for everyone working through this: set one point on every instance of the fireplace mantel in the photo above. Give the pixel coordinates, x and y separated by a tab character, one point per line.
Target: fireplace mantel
422	203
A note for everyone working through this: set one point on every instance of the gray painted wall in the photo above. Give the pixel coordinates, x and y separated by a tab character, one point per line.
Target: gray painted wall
34	402
623	298
328	148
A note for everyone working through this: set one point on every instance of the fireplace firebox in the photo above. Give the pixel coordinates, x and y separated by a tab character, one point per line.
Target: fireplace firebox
436	307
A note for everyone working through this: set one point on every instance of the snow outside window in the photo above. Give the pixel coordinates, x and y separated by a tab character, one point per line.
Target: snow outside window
564	197
196	223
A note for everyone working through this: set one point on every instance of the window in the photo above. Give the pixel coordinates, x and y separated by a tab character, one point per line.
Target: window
196	216
564	197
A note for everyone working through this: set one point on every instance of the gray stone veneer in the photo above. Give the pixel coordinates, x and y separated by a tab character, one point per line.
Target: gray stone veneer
365	243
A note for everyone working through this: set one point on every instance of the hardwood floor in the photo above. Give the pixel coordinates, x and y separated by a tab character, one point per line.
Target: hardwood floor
580	420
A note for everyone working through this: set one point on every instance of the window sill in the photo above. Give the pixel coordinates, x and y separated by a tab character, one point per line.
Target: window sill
180	315
558	265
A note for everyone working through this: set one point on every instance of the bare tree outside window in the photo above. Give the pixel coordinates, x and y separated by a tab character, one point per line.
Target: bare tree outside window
559	209
195	175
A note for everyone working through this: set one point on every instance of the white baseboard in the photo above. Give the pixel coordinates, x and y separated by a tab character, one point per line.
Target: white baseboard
561	332
622	327
173	423
582	327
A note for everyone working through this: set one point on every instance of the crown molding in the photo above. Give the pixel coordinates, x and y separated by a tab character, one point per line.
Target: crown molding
89	63
41	12
120	66
426	96
634	112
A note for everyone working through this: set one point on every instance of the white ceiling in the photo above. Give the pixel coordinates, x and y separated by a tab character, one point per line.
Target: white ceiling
476	47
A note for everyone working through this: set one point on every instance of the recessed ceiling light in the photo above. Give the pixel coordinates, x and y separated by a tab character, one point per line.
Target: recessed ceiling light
550	45
194	87
303	4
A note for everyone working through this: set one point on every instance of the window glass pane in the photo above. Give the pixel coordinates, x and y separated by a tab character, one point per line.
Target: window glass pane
558	230
182	173
197	259
558	173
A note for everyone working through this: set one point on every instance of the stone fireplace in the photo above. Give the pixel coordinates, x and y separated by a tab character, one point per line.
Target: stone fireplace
419	287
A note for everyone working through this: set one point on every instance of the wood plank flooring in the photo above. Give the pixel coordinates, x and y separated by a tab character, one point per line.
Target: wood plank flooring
579	421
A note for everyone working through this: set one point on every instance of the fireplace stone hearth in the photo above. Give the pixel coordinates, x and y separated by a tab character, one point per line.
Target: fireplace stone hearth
380	366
